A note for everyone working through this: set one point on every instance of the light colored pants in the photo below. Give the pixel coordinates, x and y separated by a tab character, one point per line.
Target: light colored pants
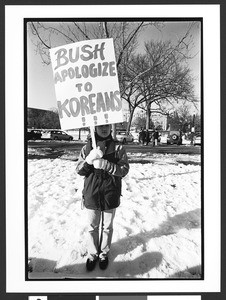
99	241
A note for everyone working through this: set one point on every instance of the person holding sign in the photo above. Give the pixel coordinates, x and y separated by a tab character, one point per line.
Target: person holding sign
103	167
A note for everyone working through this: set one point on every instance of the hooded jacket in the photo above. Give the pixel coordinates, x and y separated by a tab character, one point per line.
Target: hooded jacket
102	188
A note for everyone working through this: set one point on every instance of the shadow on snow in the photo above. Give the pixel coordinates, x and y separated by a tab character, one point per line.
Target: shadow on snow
130	267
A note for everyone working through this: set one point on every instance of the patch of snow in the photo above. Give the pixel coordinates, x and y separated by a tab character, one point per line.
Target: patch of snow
157	228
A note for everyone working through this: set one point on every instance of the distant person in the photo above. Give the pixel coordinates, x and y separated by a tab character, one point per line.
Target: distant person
142	136
103	168
179	142
155	138
192	137
147	137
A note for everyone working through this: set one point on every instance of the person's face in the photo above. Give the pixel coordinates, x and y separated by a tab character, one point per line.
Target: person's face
103	130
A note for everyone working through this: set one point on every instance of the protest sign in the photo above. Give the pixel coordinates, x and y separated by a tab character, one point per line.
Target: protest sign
86	84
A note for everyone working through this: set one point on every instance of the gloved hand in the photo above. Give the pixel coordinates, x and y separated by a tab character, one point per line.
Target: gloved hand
100	163
94	154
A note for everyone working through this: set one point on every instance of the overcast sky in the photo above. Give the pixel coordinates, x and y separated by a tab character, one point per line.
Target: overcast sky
41	93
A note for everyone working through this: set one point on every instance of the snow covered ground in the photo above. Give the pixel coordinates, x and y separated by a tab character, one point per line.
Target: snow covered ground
157	228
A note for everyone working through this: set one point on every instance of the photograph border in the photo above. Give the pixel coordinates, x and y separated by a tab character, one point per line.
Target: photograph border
26	142
6	220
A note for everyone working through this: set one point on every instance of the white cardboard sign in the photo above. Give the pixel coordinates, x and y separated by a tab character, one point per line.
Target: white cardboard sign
86	84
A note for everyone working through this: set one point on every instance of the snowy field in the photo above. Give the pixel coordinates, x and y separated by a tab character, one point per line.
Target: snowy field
157	228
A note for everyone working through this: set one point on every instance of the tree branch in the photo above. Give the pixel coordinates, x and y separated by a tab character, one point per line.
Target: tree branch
125	46
85	35
33	26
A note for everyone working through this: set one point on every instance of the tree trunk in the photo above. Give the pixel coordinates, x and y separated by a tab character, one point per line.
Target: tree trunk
130	119
148	115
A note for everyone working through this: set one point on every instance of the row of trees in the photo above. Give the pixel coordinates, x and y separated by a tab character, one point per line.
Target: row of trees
46	119
156	80
174	121
184	121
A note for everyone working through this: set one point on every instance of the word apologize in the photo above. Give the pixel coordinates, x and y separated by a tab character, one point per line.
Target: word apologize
91	104
85	53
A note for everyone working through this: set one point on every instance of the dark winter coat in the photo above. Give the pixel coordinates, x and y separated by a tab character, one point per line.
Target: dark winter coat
147	137
142	136
156	135
102	188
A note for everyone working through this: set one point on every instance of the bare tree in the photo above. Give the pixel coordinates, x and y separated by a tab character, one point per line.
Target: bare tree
159	79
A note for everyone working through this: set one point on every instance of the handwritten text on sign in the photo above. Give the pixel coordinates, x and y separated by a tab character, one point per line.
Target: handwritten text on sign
86	84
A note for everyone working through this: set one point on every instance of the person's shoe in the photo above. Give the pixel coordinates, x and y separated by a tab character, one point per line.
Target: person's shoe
91	262
103	262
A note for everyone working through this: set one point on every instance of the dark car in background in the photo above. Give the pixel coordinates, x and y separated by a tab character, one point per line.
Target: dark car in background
59	135
34	134
174	137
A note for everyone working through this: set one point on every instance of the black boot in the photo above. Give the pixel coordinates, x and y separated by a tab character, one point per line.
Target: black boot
91	262
103	262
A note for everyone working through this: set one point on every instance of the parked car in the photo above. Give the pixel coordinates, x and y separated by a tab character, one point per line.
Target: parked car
34	134
174	137
123	137
60	135
197	139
